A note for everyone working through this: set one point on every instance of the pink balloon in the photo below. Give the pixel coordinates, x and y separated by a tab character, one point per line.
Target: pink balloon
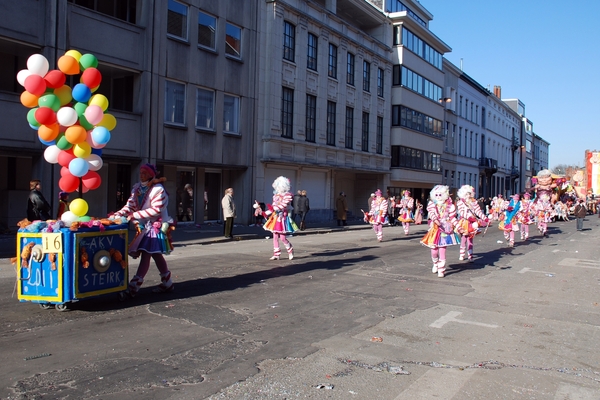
94	114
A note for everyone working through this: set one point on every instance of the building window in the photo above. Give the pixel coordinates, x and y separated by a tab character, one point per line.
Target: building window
177	20
313	50
379	137
332	63
365	132
205	109
408	118
311	118
417	83
233	41
418	46
380	82
289	41
406	157
349	139
174	102
207	29
122	9
117	86
287	113
331	123
366	76
231	114
350	69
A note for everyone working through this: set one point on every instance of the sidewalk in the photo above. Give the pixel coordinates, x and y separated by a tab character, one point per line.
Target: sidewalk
186	234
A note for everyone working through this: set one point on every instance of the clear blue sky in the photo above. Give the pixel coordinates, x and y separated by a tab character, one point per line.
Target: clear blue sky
544	53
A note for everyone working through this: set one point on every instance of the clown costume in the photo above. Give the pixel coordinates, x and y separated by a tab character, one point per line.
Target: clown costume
526	215
377	214
280	222
406	206
470	218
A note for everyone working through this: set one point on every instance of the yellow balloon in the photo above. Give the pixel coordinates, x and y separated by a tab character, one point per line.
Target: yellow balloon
64	94
108	121
74	53
79	207
99	100
82	150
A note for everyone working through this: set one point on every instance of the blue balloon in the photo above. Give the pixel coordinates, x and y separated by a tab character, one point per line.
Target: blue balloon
35	128
100	135
81	93
97	152
50	143
78	167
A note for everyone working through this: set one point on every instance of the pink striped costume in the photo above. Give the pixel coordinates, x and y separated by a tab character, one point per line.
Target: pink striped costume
406	206
526	215
147	205
470	218
378	212
280	223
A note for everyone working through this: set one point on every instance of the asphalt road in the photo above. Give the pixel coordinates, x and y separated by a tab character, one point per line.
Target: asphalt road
348	318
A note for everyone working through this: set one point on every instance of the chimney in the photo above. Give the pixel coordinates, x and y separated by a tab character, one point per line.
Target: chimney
498	91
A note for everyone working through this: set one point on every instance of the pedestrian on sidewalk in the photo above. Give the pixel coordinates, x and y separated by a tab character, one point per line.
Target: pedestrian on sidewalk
442	216
341	209
279	222
295	209
38	209
377	214
147	207
580	212
228	206
303	209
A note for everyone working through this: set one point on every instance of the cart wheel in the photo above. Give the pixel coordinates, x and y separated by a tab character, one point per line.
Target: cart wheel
61	307
45	306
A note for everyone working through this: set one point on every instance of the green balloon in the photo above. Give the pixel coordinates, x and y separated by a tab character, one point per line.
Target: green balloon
62	142
85	218
80	108
31	117
49	100
88	61
84	122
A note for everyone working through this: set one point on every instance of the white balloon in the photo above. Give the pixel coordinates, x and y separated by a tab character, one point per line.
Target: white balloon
22	75
68	217
38	65
51	154
95	162
67	116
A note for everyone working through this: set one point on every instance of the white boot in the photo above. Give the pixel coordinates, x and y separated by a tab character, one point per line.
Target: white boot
434	269
441	268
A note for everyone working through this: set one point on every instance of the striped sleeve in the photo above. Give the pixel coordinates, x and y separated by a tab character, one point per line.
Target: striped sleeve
158	200
130	206
433	213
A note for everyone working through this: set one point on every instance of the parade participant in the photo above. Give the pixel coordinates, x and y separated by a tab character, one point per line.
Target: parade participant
406	206
147	207
470	218
543	213
377	214
497	203
418	212
509	223
525	215
63	204
280	223
442	217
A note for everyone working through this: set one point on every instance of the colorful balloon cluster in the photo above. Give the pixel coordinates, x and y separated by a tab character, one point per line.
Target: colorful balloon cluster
71	121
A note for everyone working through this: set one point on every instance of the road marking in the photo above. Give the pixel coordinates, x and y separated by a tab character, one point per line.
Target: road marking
532	270
575	262
451	317
437	383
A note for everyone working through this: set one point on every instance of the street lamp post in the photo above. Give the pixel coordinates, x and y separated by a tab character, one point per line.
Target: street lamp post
443	101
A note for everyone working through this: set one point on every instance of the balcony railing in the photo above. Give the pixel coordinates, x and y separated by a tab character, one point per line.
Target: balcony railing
488	165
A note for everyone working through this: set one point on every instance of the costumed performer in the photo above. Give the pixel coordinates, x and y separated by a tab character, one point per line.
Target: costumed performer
544	188
497	203
470	219
147	207
525	215
418	213
63	203
280	222
442	222
377	214
406	206
509	224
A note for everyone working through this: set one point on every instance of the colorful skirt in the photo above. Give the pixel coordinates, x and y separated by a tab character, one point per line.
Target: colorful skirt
280	224
152	239
508	226
435	237
406	216
469	229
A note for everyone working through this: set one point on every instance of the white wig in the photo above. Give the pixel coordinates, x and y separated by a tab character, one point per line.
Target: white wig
544	173
465	190
439	192
281	185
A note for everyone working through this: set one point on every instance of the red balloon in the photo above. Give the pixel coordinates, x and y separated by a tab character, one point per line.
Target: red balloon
68	183
55	79
45	116
64	171
91	77
65	157
91	180
35	84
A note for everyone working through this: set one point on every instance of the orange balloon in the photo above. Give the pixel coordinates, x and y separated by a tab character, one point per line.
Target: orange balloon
75	134
48	132
68	65
29	100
